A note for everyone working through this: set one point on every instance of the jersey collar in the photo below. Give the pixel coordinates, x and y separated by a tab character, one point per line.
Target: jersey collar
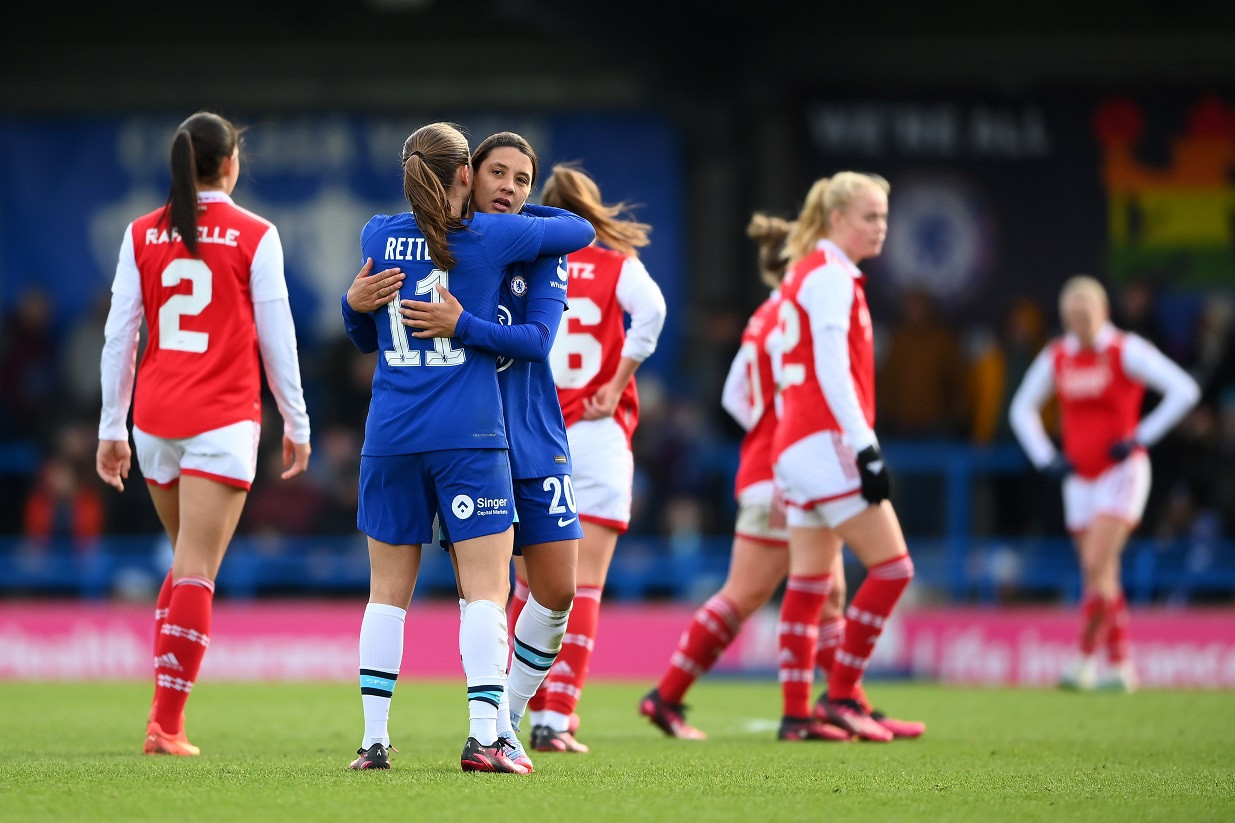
834	251
213	197
1101	340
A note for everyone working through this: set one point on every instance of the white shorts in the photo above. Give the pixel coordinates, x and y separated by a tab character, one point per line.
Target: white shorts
1119	492
761	514
604	472
819	478
227	455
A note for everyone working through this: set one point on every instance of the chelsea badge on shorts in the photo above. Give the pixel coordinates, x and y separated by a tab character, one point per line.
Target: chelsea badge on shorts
518	285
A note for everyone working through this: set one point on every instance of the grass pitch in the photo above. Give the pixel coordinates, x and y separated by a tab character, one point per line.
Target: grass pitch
279	752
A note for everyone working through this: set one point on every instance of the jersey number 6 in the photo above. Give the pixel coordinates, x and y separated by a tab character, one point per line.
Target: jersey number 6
576	356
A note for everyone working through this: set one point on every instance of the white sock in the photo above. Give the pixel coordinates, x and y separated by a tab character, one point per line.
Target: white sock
462	606
504	724
557	721
538	718
484	650
538	640
381	655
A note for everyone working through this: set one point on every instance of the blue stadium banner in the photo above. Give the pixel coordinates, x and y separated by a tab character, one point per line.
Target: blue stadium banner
69	186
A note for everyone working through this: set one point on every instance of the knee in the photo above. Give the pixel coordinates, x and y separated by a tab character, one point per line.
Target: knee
746	599
896	568
834	605
747	605
1093	569
555	595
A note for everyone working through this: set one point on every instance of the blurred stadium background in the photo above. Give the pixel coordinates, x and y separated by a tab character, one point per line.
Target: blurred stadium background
1022	148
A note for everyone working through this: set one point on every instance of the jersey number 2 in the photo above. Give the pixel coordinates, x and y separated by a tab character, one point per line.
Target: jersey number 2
171	336
791	374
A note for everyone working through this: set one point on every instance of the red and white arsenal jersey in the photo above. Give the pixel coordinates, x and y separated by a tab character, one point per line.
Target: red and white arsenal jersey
604	287
823	293
200	370
750	392
1099	403
1100	391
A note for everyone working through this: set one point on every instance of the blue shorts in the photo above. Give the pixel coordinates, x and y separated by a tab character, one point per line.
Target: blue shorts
445	542
547	511
400	494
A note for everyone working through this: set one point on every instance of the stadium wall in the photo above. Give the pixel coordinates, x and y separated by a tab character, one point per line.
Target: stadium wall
312	640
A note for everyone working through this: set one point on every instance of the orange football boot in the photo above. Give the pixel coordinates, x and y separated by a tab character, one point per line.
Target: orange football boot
159	742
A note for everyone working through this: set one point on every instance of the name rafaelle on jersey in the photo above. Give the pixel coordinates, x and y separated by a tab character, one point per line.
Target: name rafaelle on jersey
205	234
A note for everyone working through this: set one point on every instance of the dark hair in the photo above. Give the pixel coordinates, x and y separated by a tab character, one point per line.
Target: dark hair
431	156
199	147
506	140
770	233
570	188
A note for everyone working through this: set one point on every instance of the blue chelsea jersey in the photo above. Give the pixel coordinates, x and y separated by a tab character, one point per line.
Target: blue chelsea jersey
534	423
435	394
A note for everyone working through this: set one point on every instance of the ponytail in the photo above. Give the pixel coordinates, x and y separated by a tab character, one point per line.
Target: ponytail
180	211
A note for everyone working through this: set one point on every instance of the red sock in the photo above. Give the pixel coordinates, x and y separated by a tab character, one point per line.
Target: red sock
869	610
831	630
1093	615
796	634
182	645
710	632
160	617
518	599
561	689
160	607
1117	629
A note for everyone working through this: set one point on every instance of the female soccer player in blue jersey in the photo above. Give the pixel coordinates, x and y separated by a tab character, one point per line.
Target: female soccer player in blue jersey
435	439
532	301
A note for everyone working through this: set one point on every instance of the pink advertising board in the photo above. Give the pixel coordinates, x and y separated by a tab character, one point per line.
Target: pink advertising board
312	640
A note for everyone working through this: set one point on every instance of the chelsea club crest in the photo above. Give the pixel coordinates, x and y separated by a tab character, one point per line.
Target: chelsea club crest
518	286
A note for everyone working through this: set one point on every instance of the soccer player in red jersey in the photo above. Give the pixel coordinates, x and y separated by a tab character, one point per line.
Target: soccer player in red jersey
826	458
207	277
1099	374
594	359
758	560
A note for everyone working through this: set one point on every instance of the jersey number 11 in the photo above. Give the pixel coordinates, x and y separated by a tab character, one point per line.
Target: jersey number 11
443	354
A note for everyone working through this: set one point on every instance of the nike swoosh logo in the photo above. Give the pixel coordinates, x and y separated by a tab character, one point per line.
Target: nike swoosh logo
564	523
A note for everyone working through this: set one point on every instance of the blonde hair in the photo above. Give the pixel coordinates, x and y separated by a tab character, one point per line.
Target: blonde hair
770	233
1083	284
828	194
570	188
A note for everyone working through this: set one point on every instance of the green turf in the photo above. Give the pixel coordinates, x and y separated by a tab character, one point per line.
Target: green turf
279	752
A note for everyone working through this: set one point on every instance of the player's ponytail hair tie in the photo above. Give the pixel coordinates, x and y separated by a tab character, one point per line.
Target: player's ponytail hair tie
412	154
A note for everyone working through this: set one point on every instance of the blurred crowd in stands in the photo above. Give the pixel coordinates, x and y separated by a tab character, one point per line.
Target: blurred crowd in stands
937	380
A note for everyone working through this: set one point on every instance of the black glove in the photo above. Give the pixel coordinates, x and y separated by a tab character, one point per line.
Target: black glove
1059	468
876	485
1120	451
